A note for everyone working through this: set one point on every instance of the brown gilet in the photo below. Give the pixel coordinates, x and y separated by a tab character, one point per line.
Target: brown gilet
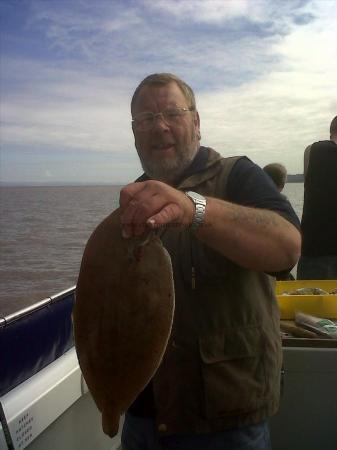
222	364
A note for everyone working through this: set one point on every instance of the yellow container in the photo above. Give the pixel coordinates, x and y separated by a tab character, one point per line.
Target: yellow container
316	305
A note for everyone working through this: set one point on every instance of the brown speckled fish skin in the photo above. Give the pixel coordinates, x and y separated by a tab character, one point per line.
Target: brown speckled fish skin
122	317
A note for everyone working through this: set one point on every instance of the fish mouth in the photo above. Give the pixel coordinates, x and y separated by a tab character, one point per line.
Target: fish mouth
136	245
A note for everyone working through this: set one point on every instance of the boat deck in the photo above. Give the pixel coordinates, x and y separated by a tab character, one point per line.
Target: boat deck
45	399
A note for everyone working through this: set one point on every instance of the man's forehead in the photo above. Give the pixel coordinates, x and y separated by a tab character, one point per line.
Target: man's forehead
159	92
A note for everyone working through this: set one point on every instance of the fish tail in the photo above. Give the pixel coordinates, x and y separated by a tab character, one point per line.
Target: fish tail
110	422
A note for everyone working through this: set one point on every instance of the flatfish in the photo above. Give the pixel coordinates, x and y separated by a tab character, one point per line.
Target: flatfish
122	316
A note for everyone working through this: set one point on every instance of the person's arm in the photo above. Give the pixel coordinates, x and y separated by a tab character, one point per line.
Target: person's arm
254	238
306	160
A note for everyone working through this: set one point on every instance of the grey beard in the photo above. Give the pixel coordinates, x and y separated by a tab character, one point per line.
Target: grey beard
169	171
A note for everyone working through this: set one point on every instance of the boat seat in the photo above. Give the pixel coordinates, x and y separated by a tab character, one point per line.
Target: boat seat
33	337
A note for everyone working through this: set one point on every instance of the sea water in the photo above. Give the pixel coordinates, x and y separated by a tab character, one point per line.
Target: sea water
43	232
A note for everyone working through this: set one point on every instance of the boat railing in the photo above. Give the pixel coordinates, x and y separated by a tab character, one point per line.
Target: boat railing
7	319
44	400
33	337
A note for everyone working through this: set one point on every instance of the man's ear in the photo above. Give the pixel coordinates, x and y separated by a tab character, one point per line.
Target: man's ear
197	124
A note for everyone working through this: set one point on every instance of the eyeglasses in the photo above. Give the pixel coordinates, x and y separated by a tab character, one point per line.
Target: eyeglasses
146	120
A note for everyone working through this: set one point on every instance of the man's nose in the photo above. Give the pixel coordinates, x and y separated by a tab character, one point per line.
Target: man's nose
160	122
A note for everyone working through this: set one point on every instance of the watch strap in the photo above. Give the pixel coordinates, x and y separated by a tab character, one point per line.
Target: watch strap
200	208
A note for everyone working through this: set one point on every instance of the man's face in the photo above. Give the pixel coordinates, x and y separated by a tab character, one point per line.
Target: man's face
165	151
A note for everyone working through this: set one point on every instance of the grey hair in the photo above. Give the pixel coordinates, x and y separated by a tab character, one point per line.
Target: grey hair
163	79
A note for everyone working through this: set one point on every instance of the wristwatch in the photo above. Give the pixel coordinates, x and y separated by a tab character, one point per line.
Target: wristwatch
200	207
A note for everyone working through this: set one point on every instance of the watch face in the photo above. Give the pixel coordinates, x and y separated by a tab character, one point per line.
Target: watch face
195	195
198	196
200	205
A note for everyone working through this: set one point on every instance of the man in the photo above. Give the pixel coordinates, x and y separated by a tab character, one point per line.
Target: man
225	227
319	219
278	173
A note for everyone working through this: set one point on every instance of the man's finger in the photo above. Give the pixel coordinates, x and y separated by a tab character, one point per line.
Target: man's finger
166	215
129	192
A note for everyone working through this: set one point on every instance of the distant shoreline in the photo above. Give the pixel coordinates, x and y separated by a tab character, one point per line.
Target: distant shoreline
60	184
297	178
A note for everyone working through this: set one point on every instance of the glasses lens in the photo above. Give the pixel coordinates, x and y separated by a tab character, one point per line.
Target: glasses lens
144	121
172	116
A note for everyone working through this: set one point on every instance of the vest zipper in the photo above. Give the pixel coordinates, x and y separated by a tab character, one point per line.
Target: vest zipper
193	278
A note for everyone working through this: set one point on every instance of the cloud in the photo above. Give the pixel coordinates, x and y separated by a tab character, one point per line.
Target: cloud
274	117
73	20
264	76
67	109
209	11
274	16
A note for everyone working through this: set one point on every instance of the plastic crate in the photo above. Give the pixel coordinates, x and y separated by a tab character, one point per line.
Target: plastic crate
316	305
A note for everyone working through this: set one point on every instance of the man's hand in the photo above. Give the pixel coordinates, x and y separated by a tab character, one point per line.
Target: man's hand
152	204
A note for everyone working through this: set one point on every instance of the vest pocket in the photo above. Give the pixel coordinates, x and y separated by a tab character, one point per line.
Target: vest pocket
233	371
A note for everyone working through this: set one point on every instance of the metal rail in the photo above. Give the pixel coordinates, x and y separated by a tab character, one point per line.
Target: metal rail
36	306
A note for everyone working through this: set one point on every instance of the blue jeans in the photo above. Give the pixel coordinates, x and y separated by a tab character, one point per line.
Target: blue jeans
140	434
317	268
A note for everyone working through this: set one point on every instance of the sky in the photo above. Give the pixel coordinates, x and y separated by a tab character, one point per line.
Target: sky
264	73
